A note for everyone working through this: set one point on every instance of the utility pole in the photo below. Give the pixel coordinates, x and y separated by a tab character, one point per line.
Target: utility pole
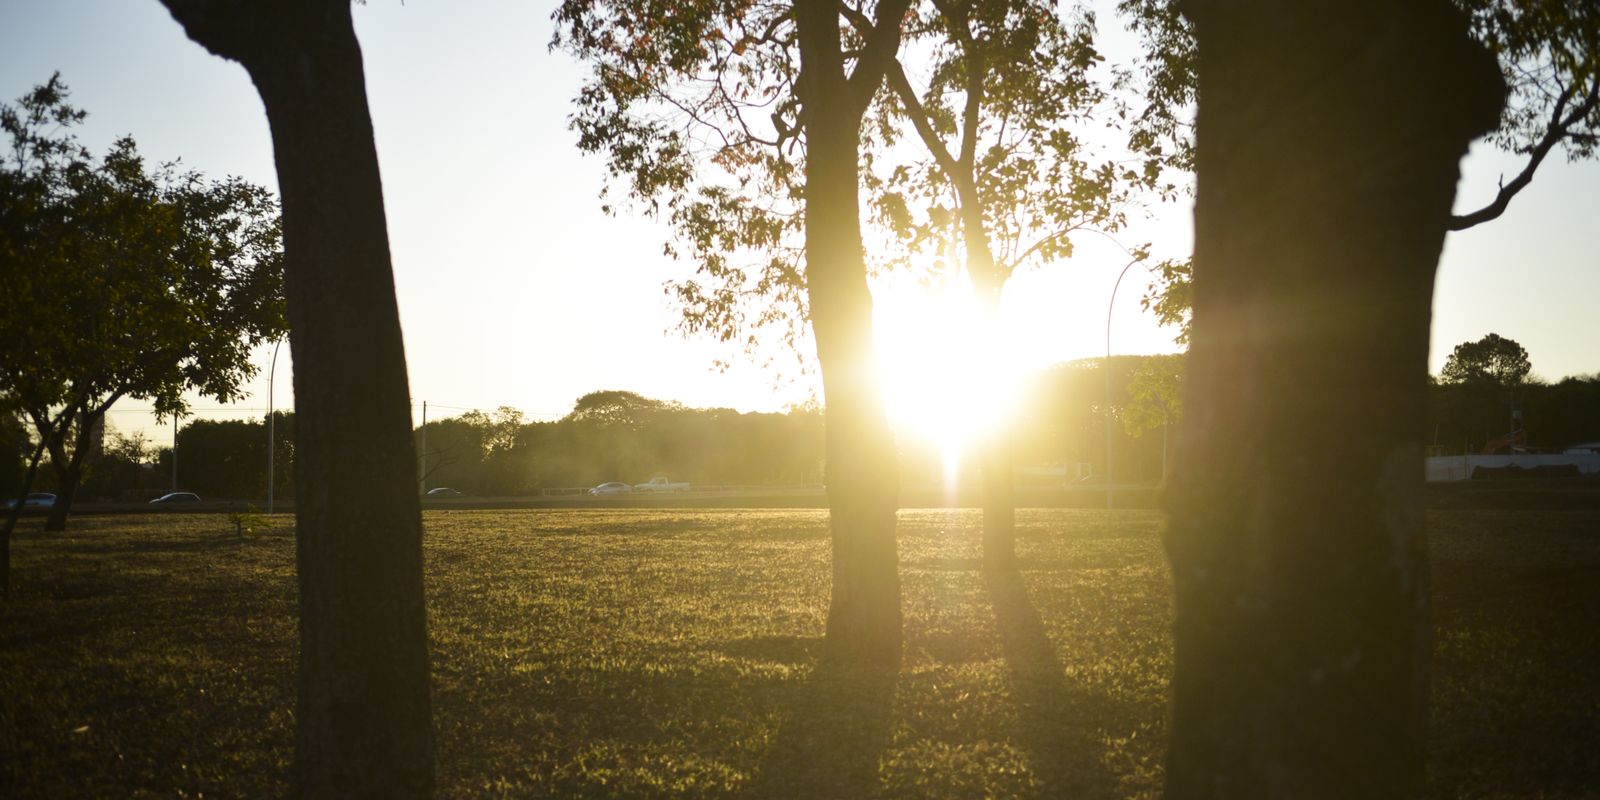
422	454
174	451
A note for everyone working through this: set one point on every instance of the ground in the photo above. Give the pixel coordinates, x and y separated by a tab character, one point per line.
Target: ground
671	652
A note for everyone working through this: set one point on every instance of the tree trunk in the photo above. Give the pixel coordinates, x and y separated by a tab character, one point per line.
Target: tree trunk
1328	136
363	718
864	618
12	515
999	502
67	479
69	470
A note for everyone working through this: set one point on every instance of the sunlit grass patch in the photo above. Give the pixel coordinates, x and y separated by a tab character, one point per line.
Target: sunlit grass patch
665	653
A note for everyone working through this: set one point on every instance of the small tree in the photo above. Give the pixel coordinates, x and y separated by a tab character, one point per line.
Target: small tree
744	121
1493	369
122	281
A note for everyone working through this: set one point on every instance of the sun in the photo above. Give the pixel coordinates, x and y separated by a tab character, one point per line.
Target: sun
950	369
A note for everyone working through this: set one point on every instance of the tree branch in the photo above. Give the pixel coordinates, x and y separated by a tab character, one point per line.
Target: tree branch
901	85
882	45
1560	127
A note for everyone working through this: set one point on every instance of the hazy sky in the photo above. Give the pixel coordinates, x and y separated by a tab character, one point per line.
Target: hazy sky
515	290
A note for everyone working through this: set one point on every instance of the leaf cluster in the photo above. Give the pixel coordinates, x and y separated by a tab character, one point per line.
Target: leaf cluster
1004	97
694	106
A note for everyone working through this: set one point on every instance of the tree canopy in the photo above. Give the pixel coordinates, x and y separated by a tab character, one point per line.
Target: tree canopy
1493	360
1005	97
123	280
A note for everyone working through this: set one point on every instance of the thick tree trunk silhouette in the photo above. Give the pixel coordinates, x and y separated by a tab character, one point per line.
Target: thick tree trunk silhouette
363	725
1329	136
864	618
12	515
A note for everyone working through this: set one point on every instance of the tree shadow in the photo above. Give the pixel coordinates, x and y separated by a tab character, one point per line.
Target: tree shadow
1058	721
832	741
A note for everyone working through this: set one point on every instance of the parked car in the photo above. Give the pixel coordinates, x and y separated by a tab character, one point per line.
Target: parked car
442	491
614	487
660	484
34	500
176	497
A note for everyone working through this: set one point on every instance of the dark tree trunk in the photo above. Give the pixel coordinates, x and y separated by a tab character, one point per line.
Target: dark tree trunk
999	506
864	617
1329	136
363	718
67	480
12	514
69	469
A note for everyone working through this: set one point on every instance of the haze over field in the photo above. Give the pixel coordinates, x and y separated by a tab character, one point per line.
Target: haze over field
516	290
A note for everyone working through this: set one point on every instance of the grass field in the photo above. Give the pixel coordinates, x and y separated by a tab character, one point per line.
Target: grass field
647	653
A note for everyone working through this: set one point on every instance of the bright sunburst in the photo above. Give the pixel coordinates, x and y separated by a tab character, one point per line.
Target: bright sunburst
950	371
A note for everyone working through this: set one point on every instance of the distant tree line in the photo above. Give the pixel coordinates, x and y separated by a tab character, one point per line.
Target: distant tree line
621	436
625	436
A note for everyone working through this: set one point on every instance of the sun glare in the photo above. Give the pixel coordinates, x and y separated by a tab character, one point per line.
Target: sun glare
950	370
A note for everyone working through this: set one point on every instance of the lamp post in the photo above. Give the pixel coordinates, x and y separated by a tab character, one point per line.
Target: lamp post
272	373
1106	368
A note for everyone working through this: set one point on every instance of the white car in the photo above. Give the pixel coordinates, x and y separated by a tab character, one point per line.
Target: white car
660	484
34	500
614	487
176	497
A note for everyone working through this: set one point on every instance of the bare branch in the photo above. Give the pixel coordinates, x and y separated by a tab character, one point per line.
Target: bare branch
919	117
1560	128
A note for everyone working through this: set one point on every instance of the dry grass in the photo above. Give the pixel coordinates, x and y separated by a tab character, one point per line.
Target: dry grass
648	653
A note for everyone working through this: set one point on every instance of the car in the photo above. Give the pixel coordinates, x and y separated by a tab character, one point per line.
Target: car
176	497
614	487
35	500
442	491
660	484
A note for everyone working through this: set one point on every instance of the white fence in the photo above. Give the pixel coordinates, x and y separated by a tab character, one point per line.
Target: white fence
1459	468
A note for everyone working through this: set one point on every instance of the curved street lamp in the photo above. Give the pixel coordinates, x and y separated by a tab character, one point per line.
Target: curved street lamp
271	375
1106	368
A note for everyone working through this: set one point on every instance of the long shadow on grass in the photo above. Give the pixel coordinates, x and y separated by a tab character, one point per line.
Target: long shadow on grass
1058	721
830	744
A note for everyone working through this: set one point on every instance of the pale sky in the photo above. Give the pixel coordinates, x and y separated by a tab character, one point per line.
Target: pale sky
515	290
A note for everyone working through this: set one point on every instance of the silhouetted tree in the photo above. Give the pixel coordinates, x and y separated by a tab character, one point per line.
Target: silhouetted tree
1328	140
123	469
630	410
1493	359
1005	120
363	720
121	282
779	92
1492	368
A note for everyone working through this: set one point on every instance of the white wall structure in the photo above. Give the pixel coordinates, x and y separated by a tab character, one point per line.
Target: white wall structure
1459	468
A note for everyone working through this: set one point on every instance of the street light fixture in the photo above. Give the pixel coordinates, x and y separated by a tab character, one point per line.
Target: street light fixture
272	372
1106	368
